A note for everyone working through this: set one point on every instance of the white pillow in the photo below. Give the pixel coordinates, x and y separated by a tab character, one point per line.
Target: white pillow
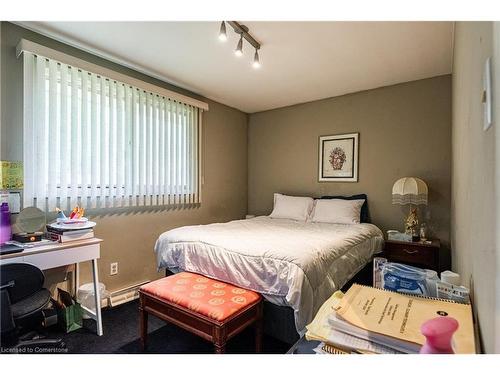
337	211
295	208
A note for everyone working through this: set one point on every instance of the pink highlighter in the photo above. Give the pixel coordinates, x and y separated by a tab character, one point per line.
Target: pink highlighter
438	332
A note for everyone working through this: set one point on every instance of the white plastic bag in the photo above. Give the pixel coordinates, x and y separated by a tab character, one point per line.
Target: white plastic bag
85	296
407	279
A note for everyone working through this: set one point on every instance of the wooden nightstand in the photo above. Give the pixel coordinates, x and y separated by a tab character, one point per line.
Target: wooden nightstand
418	254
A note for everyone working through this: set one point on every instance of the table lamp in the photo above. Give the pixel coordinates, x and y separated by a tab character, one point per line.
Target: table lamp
411	191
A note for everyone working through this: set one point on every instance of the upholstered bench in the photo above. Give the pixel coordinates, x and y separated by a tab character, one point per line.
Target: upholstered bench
211	309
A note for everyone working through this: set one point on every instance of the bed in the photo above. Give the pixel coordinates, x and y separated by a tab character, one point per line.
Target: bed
294	265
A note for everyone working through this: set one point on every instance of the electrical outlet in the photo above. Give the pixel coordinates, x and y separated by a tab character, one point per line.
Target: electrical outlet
114	268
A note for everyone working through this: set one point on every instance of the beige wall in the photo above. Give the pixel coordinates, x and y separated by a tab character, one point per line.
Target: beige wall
496	113
473	170
404	131
129	235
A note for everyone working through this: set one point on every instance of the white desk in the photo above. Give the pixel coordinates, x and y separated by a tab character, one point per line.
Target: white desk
63	254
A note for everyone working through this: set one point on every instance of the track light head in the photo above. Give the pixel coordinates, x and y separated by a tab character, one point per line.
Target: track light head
222	32
256	61
239	48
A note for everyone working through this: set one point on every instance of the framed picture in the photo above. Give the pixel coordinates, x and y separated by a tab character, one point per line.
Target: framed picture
338	158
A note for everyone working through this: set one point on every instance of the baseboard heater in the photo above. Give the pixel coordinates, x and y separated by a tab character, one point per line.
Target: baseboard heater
125	295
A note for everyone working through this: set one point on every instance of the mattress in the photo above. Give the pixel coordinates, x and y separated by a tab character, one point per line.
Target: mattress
296	264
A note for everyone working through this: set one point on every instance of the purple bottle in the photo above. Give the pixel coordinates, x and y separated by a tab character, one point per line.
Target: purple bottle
5	230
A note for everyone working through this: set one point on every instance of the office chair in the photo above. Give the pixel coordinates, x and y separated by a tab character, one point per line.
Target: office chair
23	298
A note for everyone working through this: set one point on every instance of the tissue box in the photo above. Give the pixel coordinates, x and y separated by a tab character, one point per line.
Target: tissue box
394	235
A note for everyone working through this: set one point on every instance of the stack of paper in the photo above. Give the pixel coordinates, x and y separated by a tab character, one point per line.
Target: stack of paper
322	330
370	320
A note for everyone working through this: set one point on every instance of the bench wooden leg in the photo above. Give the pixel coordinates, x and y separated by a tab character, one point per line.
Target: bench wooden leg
220	339
220	349
143	325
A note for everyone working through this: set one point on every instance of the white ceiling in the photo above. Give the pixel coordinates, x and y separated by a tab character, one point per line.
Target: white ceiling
301	61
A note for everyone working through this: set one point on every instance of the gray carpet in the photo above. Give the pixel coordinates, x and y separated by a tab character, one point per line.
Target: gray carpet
121	335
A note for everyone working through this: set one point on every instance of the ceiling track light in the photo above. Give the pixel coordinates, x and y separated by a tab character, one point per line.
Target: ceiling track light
256	60
222	32
239	48
244	33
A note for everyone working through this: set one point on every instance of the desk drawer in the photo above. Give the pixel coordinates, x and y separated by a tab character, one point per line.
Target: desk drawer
412	254
52	259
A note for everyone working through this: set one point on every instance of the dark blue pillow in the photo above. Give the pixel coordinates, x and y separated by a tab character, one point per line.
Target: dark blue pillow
365	217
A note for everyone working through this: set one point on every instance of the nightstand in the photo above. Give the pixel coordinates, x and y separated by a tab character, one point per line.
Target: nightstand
418	254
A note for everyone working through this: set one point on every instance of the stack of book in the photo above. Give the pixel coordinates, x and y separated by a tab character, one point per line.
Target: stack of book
376	321
68	235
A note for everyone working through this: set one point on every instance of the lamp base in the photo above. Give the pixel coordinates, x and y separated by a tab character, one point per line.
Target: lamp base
411	224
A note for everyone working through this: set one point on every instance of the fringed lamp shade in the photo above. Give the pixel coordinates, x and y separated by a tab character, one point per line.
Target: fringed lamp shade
409	190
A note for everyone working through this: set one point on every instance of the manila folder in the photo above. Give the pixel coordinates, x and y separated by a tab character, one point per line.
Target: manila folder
401	315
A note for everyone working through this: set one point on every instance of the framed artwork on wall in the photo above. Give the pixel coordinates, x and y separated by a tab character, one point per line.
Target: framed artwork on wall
338	158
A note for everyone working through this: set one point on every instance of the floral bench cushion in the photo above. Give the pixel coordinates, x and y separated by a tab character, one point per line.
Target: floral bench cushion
198	293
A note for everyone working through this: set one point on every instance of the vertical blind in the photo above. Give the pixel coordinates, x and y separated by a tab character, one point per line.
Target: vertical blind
96	142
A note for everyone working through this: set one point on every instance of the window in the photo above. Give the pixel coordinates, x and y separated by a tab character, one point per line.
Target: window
98	142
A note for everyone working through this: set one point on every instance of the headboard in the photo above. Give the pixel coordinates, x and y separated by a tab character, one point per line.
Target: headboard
364	216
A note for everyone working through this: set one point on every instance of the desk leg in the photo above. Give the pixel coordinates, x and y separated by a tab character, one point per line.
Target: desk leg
97	294
77	278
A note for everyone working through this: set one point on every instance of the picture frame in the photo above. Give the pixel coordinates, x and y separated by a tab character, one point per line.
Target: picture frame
338	158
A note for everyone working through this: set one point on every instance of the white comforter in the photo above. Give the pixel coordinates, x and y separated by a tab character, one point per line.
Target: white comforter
295	263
